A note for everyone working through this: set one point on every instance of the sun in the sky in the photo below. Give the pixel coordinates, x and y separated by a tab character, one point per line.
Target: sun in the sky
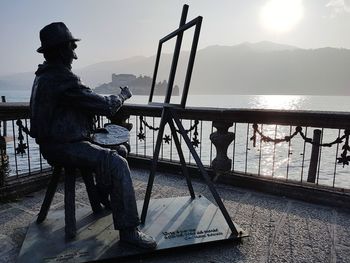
281	15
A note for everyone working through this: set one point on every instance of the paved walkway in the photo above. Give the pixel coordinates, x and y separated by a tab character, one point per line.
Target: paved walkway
281	229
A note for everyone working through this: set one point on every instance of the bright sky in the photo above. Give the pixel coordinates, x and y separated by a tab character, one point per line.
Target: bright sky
117	29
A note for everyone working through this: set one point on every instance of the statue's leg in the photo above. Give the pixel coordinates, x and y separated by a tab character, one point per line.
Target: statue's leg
92	191
112	173
123	202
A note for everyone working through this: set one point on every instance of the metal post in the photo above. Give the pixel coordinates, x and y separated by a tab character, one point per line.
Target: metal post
4	132
311	178
3	160
3	155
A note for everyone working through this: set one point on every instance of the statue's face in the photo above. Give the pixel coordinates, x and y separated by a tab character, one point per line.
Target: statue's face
73	47
68	53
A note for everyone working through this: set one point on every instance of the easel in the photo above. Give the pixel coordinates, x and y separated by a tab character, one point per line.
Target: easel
170	116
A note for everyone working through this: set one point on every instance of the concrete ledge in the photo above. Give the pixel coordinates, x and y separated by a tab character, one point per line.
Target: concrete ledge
19	186
307	192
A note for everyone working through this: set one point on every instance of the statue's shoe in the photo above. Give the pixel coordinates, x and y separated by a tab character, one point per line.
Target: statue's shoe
137	238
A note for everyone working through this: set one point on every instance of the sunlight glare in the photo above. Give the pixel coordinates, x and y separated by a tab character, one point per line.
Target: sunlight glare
281	15
280	102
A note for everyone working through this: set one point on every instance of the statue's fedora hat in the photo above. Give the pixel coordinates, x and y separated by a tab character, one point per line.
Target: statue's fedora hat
54	34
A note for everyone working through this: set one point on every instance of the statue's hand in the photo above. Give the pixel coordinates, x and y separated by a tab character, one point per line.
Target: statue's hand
125	93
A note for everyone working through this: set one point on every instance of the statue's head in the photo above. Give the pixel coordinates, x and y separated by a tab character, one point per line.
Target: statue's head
57	43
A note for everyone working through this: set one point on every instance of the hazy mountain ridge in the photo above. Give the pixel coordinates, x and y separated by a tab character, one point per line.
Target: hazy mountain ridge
247	68
323	71
263	46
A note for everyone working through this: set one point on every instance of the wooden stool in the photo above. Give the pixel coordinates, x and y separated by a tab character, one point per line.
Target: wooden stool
112	136
69	197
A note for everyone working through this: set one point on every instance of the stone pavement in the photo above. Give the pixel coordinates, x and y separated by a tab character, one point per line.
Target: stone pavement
280	229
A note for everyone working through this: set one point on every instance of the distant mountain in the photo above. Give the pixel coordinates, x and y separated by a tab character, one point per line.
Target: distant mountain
247	68
245	47
324	71
266	46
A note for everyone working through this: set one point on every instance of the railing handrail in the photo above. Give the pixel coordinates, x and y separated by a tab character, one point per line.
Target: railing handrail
14	110
324	119
329	119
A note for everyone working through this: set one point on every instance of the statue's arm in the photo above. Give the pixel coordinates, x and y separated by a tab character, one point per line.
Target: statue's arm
78	95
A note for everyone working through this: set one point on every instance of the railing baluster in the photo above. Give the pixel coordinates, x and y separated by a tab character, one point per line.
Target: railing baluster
319	158
336	161
145	140
162	146
14	145
211	146
171	147
153	134
201	140
234	146
302	163
221	139
40	160
246	150
4	123
181	136
28	149
289	153
274	153
189	153
136	138
260	151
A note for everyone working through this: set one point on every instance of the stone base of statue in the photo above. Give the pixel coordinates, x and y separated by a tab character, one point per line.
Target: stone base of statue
173	222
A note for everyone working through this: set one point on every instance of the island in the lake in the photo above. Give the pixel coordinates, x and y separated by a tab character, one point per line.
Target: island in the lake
138	85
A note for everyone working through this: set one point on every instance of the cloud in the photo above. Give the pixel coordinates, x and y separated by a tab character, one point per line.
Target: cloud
338	7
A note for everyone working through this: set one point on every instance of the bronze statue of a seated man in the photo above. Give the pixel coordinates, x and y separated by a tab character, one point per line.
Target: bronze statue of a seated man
62	118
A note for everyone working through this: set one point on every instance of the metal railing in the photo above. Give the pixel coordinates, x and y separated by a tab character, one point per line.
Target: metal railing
22	154
278	157
250	153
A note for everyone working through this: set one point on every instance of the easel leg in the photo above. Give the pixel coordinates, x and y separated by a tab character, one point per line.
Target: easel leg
204	173
163	122
182	159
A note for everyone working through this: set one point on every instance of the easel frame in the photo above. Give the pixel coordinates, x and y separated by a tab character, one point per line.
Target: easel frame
170	117
197	23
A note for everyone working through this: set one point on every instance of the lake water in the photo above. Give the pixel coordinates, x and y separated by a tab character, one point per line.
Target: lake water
296	163
285	102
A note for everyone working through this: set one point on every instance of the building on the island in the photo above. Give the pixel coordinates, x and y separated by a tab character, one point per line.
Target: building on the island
138	85
122	79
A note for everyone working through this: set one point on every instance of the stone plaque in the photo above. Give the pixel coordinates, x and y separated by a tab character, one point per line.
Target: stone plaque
173	222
